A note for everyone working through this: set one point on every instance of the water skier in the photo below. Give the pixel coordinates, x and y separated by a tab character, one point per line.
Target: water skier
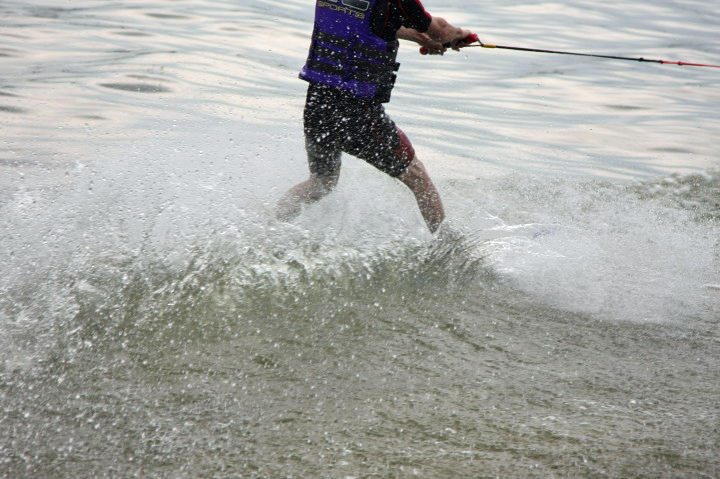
351	69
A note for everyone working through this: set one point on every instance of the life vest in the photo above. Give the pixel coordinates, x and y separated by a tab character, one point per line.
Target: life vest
346	54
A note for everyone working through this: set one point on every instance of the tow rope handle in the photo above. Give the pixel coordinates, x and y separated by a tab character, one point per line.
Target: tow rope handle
472	38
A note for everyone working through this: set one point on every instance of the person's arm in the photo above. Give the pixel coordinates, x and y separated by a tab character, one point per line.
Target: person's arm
423	39
437	36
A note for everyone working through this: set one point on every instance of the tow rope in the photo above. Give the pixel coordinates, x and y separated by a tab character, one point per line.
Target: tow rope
472	40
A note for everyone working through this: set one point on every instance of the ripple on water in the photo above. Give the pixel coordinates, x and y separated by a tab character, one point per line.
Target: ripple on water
12	109
137	87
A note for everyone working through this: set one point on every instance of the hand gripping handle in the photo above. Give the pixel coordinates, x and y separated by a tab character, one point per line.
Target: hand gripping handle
472	38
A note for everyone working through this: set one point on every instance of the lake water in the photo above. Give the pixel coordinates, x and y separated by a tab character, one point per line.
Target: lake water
157	321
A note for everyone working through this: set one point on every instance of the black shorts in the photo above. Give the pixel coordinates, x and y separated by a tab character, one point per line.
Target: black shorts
336	122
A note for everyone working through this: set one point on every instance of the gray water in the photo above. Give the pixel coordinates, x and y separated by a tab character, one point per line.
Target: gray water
157	321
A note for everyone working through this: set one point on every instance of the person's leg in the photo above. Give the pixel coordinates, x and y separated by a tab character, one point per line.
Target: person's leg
427	196
307	192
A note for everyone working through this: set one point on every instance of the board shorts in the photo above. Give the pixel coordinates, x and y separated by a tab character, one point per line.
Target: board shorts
336	121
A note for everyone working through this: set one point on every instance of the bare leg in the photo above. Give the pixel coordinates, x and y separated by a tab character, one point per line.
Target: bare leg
309	191
427	196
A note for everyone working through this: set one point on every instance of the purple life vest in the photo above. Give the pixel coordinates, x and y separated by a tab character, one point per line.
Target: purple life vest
345	53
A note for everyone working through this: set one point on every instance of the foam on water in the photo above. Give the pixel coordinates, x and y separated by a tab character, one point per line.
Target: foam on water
613	251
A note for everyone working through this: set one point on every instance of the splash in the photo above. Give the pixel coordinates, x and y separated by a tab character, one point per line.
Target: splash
646	251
